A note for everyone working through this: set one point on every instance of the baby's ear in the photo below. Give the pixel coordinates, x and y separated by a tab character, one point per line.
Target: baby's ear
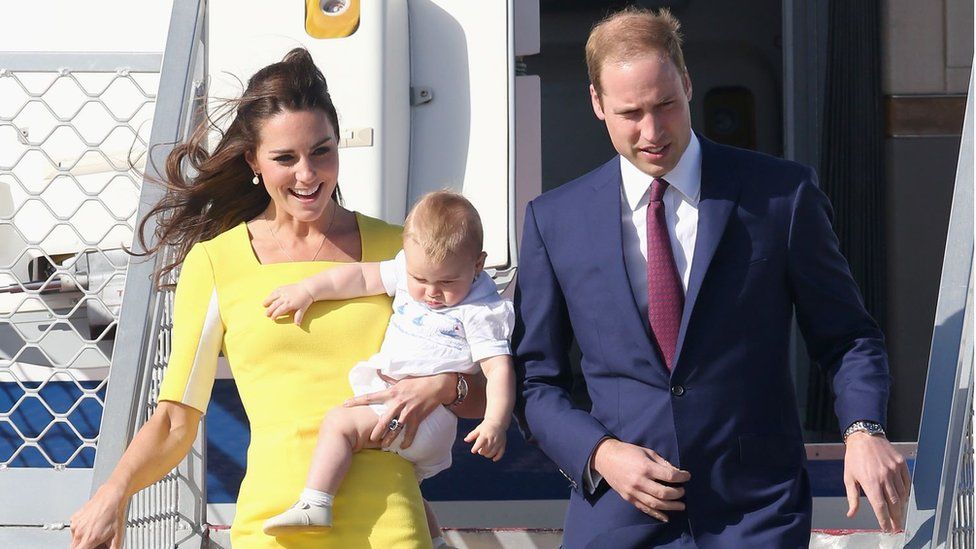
480	264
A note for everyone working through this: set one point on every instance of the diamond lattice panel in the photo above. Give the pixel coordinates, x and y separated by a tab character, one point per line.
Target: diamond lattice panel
72	145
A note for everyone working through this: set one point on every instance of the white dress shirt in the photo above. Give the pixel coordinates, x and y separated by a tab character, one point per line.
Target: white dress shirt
681	216
680	213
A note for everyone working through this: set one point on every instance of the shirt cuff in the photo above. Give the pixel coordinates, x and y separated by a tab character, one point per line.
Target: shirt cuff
388	274
488	349
591	478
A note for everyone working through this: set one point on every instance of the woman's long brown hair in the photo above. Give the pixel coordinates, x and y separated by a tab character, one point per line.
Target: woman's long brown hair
219	194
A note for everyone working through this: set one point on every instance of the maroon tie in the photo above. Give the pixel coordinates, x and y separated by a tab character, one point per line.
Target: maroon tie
665	295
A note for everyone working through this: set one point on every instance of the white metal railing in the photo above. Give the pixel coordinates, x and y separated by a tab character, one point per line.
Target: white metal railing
73	133
941	503
76	131
961	533
171	512
69	148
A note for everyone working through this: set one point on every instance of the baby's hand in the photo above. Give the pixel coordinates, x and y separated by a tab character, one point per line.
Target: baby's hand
286	299
489	440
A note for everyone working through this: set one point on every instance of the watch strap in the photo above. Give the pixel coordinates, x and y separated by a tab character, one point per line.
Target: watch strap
462	390
872	428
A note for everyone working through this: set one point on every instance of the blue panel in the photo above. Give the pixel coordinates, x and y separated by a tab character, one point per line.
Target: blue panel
9	394
61	395
228	435
525	473
60	442
826	478
9	441
31	418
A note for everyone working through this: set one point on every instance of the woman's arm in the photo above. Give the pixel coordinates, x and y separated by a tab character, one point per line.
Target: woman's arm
411	399
157	448
342	282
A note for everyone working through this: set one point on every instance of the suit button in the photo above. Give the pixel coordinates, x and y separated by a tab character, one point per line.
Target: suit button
677	390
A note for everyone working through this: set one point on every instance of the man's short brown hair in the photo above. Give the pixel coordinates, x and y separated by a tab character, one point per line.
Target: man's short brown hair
631	33
445	223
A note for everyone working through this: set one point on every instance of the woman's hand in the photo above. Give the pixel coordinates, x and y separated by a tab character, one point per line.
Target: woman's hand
295	298
409	401
101	520
159	446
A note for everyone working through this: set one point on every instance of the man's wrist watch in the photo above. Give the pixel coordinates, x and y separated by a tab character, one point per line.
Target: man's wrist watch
462	390
872	428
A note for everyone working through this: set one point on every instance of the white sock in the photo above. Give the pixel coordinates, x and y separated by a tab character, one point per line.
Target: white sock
316	497
437	542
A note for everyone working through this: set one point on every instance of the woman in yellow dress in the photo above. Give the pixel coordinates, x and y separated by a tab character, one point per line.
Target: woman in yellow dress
264	210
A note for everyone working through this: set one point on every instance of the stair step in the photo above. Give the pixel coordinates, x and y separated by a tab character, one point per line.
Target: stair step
33	537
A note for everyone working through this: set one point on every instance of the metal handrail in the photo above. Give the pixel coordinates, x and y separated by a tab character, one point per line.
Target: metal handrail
178	502
948	390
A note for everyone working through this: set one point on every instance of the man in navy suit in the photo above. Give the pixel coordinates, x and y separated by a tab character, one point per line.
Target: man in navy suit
677	267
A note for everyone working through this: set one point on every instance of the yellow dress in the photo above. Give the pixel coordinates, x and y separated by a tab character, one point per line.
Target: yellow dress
289	376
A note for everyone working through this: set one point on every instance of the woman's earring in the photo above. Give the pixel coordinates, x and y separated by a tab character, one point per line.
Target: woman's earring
256	179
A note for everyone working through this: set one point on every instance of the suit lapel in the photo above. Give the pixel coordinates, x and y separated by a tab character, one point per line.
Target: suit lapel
606	250
719	195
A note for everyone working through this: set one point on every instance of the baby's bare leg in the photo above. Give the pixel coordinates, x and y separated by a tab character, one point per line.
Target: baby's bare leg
344	431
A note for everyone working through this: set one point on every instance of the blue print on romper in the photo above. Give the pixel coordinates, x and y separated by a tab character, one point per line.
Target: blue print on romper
419	321
401	309
455	332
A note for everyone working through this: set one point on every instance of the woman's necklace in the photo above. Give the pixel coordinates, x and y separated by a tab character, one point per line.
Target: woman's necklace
282	248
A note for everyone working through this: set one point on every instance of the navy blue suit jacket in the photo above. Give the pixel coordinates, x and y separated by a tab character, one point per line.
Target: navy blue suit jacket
727	413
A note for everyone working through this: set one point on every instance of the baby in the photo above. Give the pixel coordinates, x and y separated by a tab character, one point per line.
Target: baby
447	317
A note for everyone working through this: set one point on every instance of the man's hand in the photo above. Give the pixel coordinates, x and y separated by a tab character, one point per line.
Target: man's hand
873	465
489	440
641	476
295	298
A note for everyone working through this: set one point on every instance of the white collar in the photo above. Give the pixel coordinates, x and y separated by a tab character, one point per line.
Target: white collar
685	177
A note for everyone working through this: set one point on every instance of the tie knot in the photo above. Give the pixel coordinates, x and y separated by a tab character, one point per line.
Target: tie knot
658	186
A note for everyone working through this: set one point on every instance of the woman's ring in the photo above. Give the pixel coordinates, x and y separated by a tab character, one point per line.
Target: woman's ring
395	424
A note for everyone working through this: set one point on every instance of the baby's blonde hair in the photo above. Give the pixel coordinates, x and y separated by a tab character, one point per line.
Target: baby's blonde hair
444	223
